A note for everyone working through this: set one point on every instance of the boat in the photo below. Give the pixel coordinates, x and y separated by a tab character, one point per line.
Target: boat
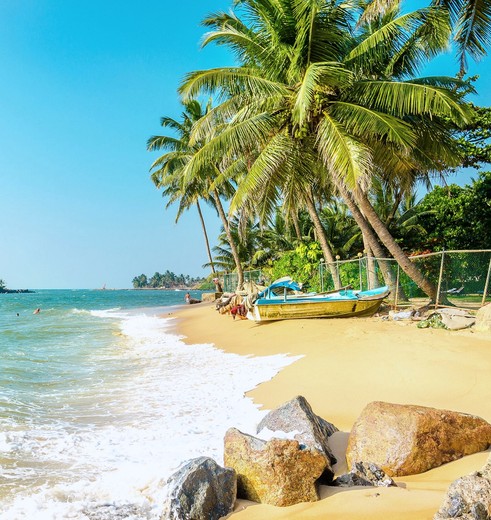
284	300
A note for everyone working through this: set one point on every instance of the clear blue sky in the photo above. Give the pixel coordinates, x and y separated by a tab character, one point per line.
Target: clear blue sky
83	86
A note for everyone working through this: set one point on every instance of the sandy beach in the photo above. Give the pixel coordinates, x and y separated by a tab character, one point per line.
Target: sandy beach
346	364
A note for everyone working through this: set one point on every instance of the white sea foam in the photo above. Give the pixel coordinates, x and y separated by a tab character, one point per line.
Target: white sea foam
160	402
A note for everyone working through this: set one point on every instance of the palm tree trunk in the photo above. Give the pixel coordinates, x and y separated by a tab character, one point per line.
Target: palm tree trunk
388	240
321	236
369	235
296	225
230	238
207	242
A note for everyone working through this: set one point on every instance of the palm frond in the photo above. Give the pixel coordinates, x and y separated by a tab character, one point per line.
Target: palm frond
343	156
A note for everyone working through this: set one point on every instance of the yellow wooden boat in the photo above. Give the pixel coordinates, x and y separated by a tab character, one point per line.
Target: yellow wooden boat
282	300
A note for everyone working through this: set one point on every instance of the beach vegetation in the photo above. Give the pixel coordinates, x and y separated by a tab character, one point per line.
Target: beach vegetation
167	280
456	217
324	127
169	172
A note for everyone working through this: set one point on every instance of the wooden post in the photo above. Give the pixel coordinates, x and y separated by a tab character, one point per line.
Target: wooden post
397	288
439	281
486	285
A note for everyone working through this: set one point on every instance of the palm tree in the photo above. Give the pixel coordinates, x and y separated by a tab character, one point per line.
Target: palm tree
305	82
168	174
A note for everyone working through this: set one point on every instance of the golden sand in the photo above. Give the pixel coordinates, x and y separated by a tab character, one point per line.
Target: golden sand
346	364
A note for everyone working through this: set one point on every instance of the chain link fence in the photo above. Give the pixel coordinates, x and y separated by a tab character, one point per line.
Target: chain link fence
462	277
230	279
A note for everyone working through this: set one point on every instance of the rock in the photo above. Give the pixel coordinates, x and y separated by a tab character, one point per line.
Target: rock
409	439
483	319
279	472
200	490
468	498
310	429
364	474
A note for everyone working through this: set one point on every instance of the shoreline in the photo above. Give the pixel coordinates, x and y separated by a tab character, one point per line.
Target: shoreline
345	364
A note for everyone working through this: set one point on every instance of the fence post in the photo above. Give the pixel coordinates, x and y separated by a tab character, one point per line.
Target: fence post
359	270
439	281
397	287
486	285
321	273
337	270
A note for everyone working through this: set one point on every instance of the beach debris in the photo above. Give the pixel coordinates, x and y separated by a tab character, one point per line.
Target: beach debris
469	497
364	474
312	431
227	303
410	439
278	472
448	318
483	319
200	489
401	315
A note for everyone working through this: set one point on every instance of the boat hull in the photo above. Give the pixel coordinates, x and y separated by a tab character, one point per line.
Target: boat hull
312	309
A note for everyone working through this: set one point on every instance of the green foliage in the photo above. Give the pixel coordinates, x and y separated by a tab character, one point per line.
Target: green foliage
474	138
2	285
168	280
458	218
302	264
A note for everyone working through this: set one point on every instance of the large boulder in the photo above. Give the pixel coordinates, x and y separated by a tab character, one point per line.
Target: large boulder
469	497
483	319
200	490
279	472
308	428
408	439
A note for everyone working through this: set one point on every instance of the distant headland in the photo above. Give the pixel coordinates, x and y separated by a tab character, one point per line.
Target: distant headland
15	291
4	290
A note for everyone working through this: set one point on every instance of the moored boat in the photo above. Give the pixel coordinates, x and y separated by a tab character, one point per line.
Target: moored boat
284	300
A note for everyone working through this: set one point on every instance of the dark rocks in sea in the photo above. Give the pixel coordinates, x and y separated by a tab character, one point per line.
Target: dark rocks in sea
310	429
201	490
364	474
16	291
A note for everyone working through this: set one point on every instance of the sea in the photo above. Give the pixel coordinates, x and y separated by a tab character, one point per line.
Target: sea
101	402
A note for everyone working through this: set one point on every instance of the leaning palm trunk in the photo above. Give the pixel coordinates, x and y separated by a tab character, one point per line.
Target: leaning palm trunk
372	242
207	242
230	238
321	237
388	240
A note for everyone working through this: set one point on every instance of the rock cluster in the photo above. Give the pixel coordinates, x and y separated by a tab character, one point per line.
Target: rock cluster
361	474
386	440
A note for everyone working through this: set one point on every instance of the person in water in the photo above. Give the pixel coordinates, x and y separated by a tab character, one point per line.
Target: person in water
37	311
191	300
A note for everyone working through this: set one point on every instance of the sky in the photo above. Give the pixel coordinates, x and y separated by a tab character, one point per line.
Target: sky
83	86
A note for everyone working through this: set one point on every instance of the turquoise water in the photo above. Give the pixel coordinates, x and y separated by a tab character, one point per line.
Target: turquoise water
100	402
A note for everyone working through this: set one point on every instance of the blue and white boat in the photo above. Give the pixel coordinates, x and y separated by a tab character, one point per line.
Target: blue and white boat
284	300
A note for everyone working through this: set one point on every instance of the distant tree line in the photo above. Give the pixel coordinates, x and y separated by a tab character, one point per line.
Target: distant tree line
167	280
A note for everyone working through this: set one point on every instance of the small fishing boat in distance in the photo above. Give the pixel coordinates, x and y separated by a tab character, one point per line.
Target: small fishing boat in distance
283	300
